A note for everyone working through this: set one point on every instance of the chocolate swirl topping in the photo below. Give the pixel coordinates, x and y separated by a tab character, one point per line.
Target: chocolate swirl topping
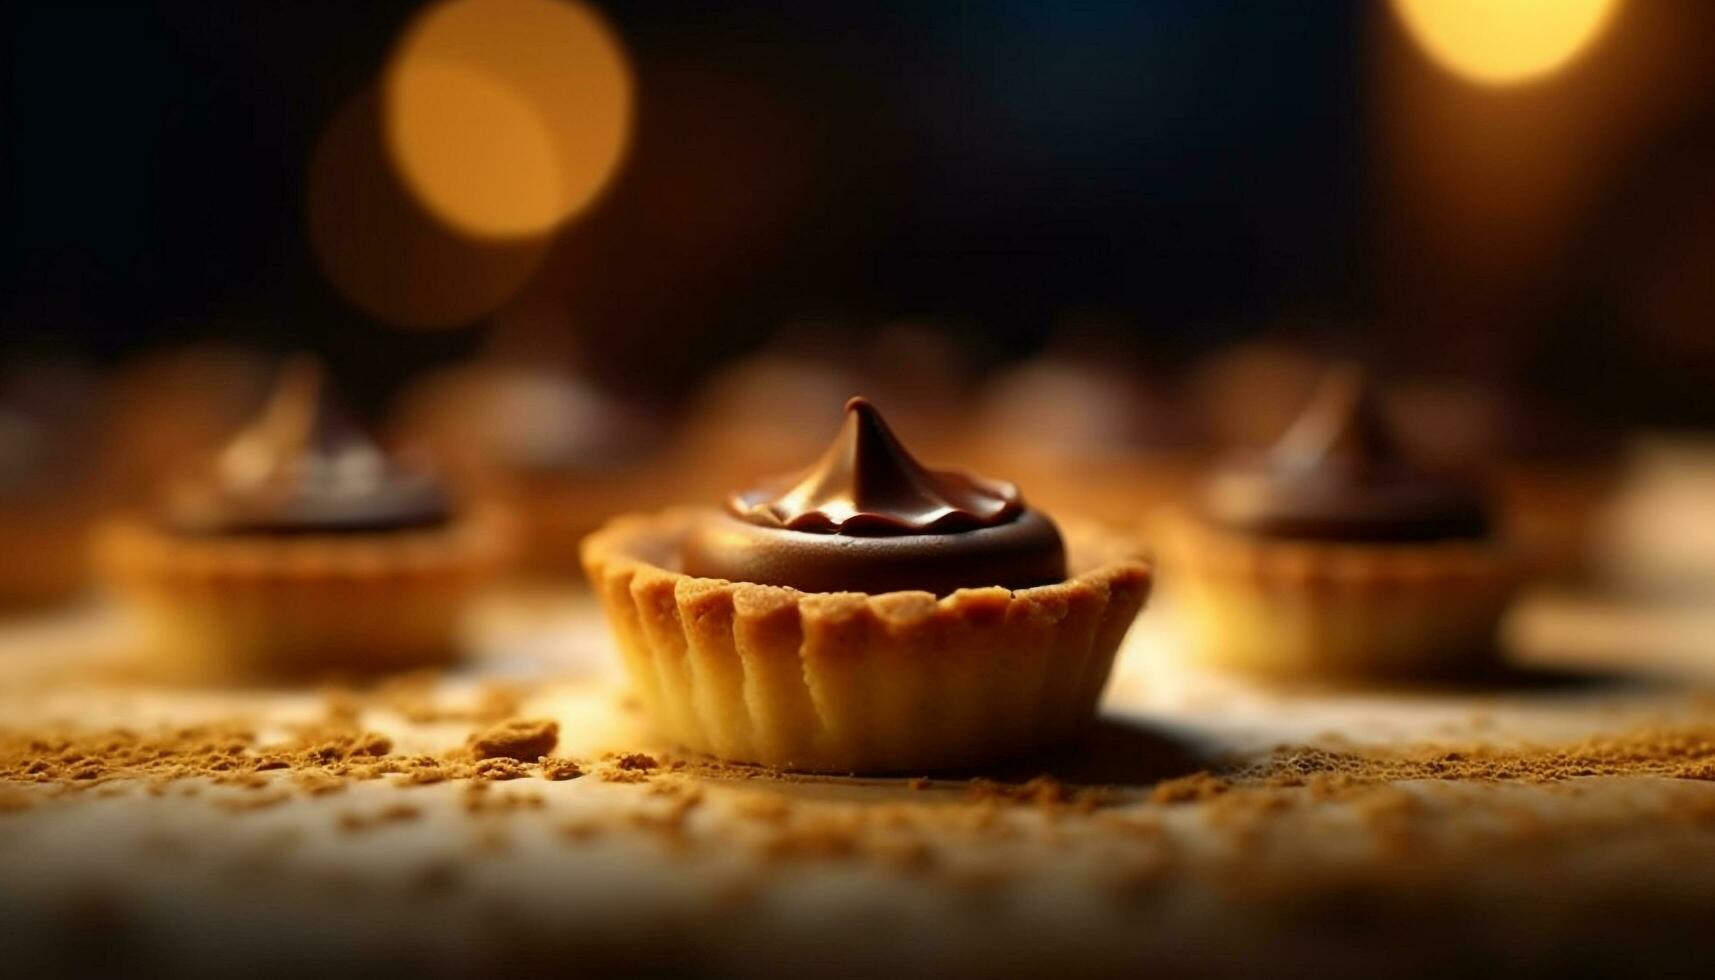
305	468
1338	474
868	485
868	517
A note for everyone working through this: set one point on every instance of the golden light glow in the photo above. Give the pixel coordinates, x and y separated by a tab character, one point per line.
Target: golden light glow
506	117
1505	42
384	252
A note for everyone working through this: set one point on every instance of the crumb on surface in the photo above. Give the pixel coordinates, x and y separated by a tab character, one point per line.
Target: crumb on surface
519	739
556	769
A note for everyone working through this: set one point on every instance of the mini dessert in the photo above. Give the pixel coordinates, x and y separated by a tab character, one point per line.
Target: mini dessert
305	549
868	614
1333	556
554	451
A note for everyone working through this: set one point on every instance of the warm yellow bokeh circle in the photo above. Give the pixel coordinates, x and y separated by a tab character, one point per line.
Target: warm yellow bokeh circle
506	117
1505	42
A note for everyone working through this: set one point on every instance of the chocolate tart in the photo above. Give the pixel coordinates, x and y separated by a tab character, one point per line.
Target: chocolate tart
1334	556
866	615
304	549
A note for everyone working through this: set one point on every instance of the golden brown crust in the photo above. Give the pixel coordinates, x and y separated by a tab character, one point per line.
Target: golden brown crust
134	550
1205	550
241	606
854	682
1327	611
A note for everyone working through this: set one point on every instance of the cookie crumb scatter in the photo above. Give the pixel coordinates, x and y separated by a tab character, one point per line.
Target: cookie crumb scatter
318	782
1394	804
558	770
242	780
225	754
1196	788
632	767
427	775
1042	791
499	769
519	739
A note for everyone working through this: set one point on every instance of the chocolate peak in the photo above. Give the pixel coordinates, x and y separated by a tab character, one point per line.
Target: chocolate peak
1338	474
868	485
304	467
867	517
1343	426
302	426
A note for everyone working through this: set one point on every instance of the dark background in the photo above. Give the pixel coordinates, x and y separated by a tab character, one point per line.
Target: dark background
1204	172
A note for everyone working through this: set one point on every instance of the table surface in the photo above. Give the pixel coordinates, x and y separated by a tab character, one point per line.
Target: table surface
1560	818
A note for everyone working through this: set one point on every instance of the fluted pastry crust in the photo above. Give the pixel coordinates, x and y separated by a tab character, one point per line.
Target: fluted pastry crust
1318	610
851	682
260	605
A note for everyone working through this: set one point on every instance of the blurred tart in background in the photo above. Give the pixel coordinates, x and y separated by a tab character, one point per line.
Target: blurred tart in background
304	549
1335	556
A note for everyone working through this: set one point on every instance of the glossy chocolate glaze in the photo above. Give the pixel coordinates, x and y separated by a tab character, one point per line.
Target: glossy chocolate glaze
305	468
868	517
1338	475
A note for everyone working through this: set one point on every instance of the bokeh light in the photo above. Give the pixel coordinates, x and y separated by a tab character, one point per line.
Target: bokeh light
506	117
1504	42
384	252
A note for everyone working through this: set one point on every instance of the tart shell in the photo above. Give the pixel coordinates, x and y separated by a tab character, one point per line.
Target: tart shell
258	606
848	682
1314	610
